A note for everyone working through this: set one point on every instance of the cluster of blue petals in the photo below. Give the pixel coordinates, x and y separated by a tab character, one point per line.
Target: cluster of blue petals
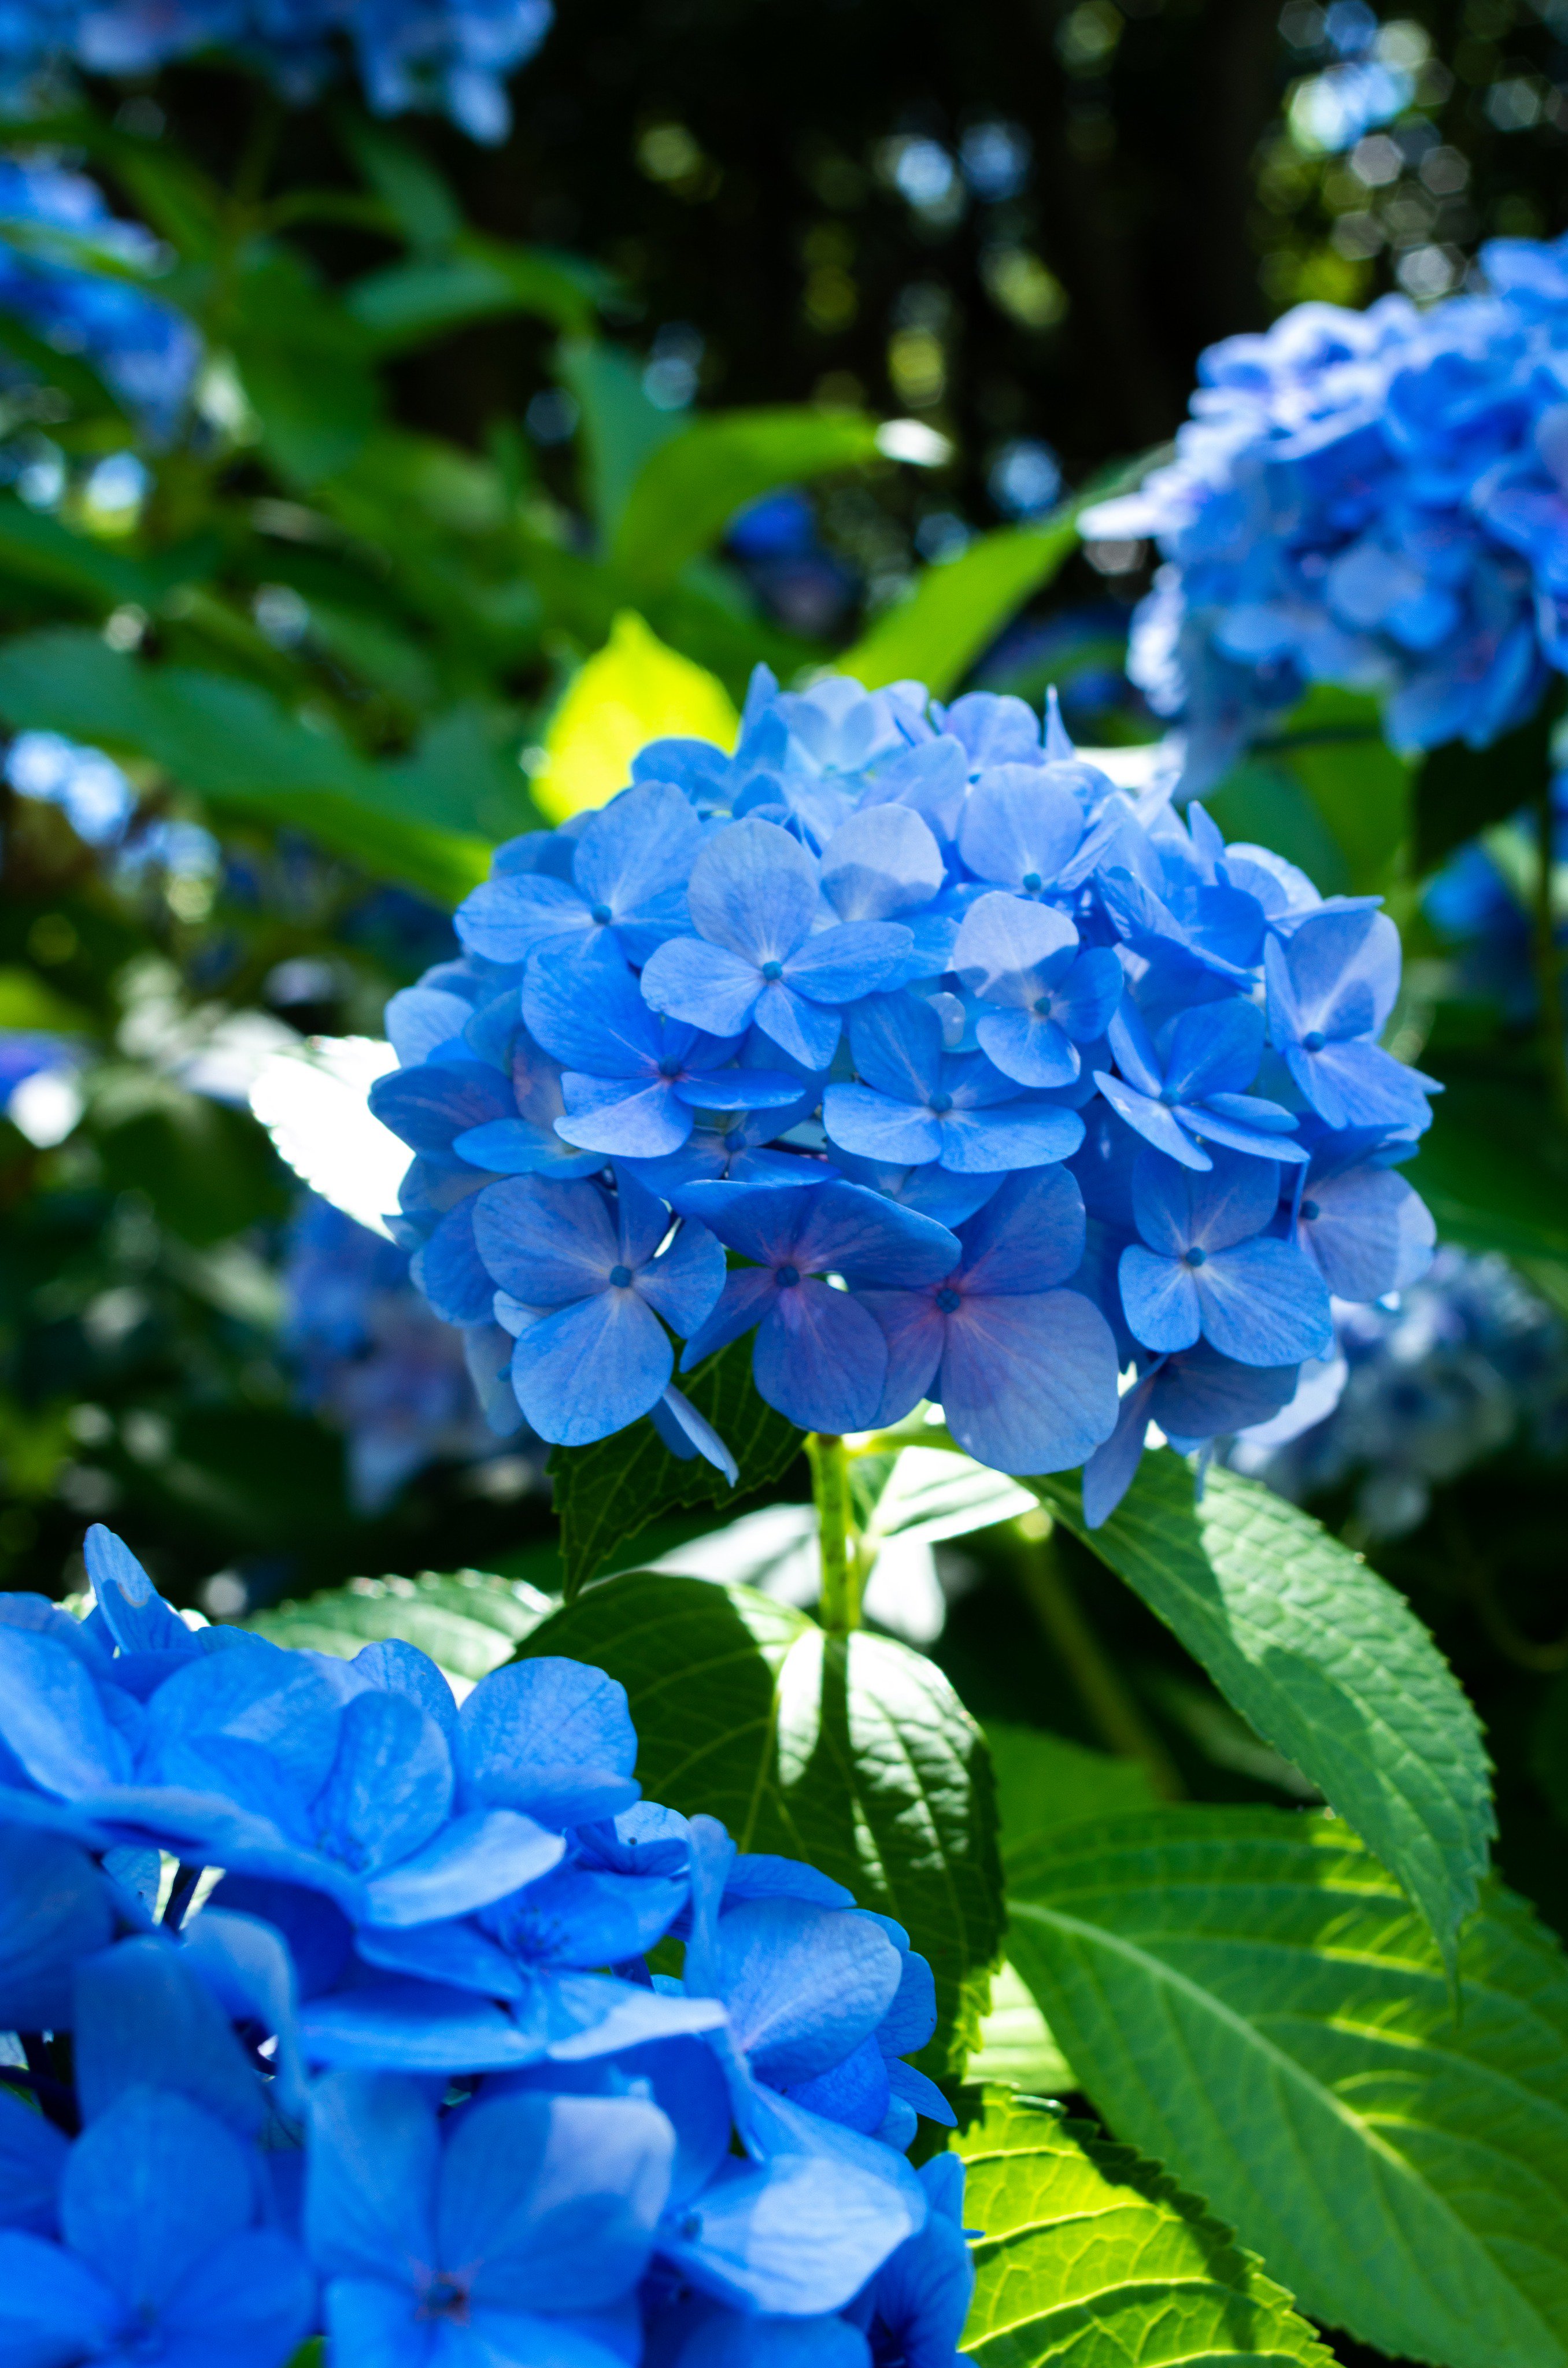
403	2074
904	1041
408	53
375	1361
1377	500
1467	1362
144	351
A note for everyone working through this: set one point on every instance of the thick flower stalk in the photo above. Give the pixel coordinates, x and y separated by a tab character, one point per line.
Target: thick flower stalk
904	1044
404	2077
1377	500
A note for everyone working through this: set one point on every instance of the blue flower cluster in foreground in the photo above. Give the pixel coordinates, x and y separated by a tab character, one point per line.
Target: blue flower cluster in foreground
906	1042
375	1361
1467	1361
404	2074
145	352
408	53
1374	499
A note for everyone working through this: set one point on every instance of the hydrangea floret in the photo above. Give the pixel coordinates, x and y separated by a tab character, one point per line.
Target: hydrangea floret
402	2075
905	1042
1377	500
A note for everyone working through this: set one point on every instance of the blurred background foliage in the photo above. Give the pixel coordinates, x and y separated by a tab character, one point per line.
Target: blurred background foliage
769	334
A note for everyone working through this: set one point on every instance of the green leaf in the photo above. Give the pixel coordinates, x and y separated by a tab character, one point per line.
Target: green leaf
208	1168
687	491
1044	1783
619	427
304	361
234	745
1326	790
1094	2258
634	689
852	1752
1016	2045
468	1621
1324	1660
477	280
463	775
1460	790
1493	1178
957	610
40	550
607	1495
406	181
930	1494
1247	1994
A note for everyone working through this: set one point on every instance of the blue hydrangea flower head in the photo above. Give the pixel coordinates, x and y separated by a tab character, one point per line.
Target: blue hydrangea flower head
857	1039
454	58
425	2121
1377	500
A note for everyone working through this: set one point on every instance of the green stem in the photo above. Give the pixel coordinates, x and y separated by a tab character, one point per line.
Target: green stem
1109	1702
841	1579
1549	964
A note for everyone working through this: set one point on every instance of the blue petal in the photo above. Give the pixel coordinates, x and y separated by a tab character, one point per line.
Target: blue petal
144	2019
1264	1304
634	856
618	1117
709	986
880	863
1019	827
1028	1046
1085	1000
517	1147
1368	1232
843	1229
915	1332
390	1785
1159	1295
152	2185
54	2309
1021	1134
396	1667
733	1089
1153	1120
32	2156
449	1270
1027	1383
875	1127
1214	1048
896	1041
548	1244
806	1031
588	1370
52	1720
840	965
804	1985
793	2235
248	2304
1255	1141
374	2164
820	1359
1011	951
138	1618
1027	1237
590	1015
544	1736
1175	1212
428	1108
1344	971
553	2201
753	890
57	1911
419	1018
683	1284
854	2092
477	1859
1111	1469
507	915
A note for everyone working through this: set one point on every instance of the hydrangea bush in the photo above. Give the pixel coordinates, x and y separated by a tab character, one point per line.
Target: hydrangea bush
1377	500
404	2074
454	58
904	1041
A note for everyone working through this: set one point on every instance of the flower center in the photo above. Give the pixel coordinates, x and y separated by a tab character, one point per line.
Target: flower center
948	1300
1195	1257
1314	1041
444	2297
1308	1211
942	1104
691	2227
1168	1095
1032	881
668	1068
600	913
787	1277
772	970
1042	1005
620	1276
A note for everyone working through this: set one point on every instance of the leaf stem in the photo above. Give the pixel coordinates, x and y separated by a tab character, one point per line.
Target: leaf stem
1107	1700
1549	962
836	1536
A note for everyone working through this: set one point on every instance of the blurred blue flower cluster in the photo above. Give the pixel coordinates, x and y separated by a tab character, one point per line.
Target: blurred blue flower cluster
455	57
55	224
904	1040
376	1362
1467	1361
1377	500
376	2081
